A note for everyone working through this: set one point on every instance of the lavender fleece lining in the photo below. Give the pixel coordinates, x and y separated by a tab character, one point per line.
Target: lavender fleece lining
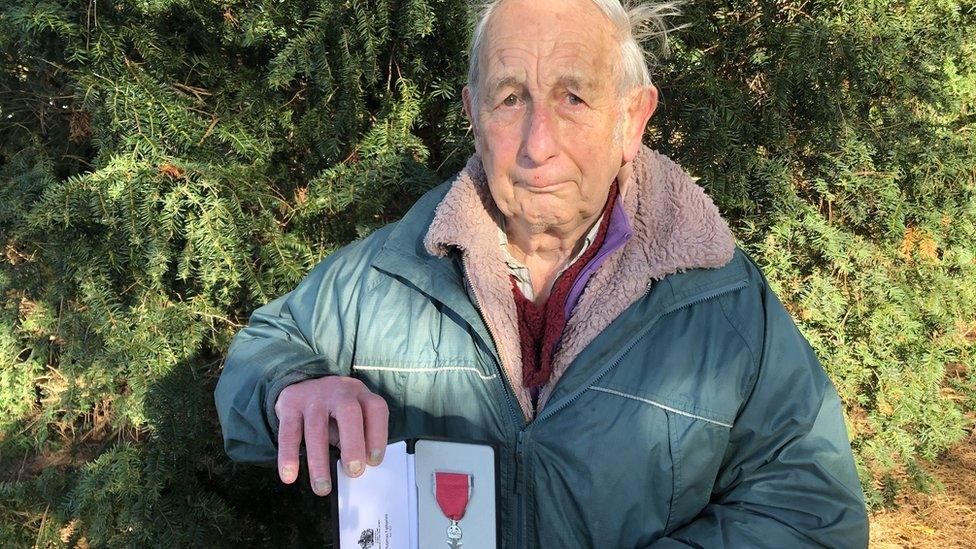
618	232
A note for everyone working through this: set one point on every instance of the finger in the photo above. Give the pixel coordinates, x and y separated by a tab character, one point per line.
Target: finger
289	440
376	415
317	452
349	419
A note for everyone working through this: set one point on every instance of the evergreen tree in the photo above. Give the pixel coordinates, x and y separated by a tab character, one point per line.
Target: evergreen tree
167	166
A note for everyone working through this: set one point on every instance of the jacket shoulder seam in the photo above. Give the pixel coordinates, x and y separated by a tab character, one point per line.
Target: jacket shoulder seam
738	330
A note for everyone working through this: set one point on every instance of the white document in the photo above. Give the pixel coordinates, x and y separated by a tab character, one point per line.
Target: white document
374	508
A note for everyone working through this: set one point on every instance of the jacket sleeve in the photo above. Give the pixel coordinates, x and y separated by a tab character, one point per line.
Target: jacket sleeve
788	477
306	333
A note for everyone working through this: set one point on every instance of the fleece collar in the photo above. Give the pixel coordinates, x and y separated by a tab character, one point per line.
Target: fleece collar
676	227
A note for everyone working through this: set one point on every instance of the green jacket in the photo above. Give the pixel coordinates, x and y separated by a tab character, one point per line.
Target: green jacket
699	417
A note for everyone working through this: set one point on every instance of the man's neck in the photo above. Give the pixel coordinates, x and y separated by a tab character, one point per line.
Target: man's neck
545	253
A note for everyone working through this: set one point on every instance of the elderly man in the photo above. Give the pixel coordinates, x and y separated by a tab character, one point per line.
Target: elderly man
573	297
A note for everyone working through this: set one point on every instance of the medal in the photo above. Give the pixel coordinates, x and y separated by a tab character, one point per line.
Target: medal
452	491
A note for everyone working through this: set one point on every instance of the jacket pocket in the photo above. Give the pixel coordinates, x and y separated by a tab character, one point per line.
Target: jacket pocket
697	440
602	472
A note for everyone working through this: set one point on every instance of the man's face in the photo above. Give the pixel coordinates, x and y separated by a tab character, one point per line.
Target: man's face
550	125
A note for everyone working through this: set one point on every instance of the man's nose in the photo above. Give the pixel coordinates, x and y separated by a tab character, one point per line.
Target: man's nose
539	140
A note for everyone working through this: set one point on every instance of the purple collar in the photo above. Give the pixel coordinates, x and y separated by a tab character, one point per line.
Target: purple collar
618	232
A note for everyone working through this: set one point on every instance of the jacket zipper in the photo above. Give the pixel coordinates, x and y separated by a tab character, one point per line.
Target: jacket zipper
519	419
521	531
516	412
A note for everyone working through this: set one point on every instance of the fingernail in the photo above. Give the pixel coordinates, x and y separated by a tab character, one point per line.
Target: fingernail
355	467
322	486
287	472
375	457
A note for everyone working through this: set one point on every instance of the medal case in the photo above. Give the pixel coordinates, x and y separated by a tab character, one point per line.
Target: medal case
396	505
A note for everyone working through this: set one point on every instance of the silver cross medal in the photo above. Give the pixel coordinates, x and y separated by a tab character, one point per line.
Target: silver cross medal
454	535
455	499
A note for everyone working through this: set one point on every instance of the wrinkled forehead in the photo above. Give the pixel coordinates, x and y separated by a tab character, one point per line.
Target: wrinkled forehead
566	41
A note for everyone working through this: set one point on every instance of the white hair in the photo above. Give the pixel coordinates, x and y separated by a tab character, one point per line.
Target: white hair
635	22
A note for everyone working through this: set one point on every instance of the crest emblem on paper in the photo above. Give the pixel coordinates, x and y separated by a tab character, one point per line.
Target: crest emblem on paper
367	539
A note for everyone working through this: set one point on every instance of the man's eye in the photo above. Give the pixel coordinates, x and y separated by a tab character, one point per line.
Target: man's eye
574	99
510	101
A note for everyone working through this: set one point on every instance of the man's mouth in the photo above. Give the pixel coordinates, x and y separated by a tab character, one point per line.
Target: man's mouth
539	184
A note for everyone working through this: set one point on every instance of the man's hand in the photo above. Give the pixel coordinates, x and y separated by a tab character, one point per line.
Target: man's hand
329	410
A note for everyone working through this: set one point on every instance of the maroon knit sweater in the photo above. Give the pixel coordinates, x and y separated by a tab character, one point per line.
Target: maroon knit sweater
540	326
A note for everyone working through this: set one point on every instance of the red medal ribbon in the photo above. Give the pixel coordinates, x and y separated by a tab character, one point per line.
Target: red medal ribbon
452	491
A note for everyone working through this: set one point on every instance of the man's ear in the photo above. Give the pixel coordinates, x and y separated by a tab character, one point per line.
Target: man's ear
466	100
639	108
469	112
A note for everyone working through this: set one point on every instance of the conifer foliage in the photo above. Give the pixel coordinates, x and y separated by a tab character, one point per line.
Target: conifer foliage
169	165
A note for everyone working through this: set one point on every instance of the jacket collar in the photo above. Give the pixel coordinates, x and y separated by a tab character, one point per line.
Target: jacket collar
676	227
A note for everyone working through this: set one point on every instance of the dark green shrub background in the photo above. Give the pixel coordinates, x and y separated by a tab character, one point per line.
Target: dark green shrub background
168	166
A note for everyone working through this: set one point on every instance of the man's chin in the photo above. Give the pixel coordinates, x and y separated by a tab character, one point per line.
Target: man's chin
538	224
539	228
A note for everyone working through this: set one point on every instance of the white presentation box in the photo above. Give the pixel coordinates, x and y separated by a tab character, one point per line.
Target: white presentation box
393	506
